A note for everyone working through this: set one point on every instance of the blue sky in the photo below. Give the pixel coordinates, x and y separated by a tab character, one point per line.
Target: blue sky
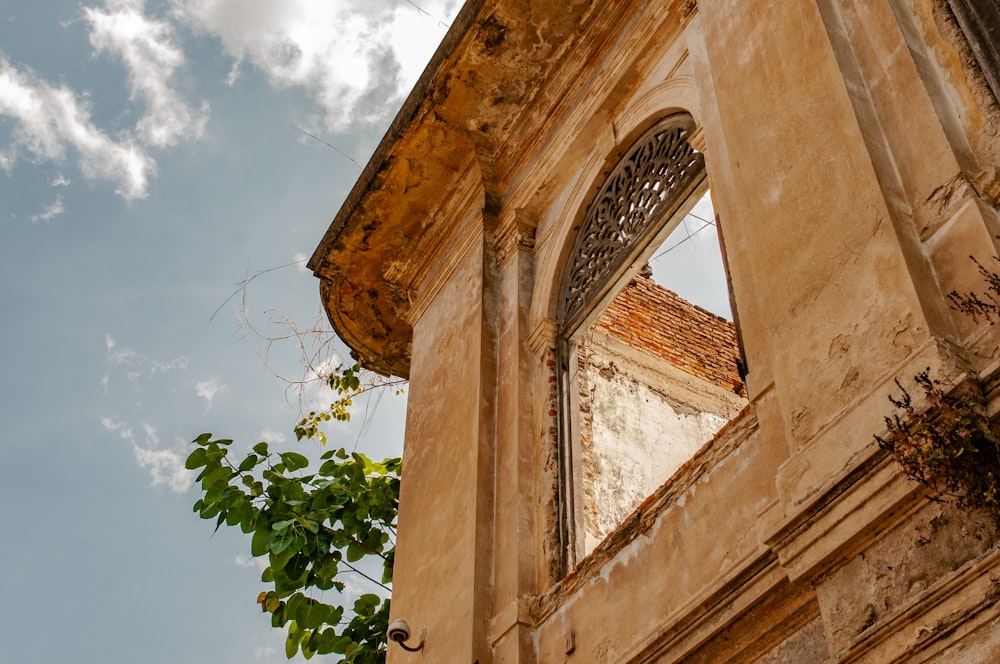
150	162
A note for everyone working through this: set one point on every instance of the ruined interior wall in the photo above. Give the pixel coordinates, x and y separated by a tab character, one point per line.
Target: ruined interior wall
640	432
630	599
657	378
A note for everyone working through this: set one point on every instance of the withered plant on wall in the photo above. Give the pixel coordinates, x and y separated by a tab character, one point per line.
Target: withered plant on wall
975	305
949	444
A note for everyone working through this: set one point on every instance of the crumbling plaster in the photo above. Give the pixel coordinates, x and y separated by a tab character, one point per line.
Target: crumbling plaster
851	152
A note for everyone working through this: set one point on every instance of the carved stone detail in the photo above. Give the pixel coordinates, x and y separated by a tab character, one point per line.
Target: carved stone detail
649	182
512	235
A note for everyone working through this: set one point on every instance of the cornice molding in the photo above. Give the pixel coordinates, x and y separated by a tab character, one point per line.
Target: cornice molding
514	233
544	336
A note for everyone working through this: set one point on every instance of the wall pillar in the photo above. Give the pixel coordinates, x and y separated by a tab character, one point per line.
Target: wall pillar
443	569
514	561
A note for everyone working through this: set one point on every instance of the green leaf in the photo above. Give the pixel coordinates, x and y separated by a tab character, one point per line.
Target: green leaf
248	463
291	645
258	544
311	614
365	605
196	459
355	552
280	558
261	449
294	461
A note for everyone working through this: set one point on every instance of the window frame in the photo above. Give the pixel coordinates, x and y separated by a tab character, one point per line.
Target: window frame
604	256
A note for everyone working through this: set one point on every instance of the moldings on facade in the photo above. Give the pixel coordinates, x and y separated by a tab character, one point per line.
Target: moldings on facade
543	337
853	149
516	233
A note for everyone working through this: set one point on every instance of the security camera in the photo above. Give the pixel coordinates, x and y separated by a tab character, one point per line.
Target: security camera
399	631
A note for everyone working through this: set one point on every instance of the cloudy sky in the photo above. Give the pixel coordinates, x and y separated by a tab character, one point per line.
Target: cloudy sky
149	162
153	155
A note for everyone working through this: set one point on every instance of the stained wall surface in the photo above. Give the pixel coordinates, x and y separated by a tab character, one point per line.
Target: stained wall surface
852	152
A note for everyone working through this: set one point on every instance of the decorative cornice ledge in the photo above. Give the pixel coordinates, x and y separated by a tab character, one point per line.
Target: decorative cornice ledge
696	139
543	336
869	498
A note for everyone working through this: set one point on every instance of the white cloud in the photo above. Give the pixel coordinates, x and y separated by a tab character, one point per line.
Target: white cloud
49	119
250	562
207	389
137	365
272	436
264	652
356	58
147	49
51	211
61	180
165	466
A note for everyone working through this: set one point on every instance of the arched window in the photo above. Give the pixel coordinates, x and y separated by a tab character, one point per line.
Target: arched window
645	377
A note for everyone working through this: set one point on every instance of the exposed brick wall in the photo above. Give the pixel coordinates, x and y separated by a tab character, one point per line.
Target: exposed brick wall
659	322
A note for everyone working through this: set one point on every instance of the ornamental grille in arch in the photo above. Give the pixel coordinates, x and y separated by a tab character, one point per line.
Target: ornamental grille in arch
650	353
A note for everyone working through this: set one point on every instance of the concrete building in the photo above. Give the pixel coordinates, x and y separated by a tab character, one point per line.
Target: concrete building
851	150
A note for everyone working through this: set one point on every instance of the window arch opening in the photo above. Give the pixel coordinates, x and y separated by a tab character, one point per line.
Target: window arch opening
647	376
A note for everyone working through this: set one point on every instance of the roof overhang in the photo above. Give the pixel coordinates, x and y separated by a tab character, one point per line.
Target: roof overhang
446	141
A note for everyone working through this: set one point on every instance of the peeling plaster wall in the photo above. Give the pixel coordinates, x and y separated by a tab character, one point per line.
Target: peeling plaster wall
646	402
639	435
852	156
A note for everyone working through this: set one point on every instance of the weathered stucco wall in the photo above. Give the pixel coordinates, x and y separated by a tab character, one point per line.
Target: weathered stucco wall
445	510
638	435
851	150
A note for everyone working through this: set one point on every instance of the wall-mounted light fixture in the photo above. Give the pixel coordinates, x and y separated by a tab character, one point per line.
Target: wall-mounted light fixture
399	631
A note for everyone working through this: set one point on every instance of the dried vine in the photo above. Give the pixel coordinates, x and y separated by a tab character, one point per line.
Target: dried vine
949	444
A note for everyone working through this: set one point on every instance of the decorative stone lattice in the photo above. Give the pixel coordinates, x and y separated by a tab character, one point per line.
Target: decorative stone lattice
650	181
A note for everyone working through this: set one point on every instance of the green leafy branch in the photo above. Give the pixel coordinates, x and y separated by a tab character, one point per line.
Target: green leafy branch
346	383
312	528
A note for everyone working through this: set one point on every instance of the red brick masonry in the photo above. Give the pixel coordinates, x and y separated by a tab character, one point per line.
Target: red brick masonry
659	322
